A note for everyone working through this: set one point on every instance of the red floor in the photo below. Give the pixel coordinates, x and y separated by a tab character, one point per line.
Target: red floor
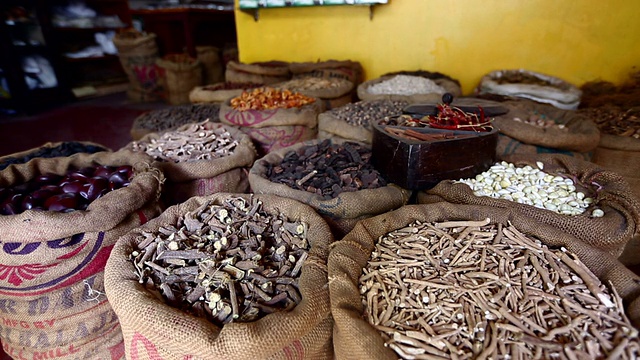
105	120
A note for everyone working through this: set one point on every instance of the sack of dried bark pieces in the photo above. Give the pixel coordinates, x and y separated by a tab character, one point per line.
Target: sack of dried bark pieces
274	119
138	53
533	128
199	159
334	178
331	93
531	85
217	318
219	92
607	223
412	89
158	121
267	72
180	74
53	262
354	121
465	269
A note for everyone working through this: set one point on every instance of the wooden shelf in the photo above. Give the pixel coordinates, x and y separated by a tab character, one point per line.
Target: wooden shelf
90	58
87	29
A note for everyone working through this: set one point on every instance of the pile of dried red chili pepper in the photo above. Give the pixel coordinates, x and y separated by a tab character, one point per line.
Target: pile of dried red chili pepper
448	117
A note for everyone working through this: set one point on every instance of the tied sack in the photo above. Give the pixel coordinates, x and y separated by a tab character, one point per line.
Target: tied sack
154	330
341	212
52	263
138	53
354	338
180	74
557	131
267	72
274	129
185	179
611	194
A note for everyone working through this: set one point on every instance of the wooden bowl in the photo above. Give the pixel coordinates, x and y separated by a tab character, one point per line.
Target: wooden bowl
420	165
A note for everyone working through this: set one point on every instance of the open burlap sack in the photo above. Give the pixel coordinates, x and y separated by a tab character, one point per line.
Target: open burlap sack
612	194
218	92
531	85
267	72
330	127
205	177
180	74
154	330
579	134
448	85
342	69
173	117
341	212
52	149
52	263
276	128
508	146
355	338
138	53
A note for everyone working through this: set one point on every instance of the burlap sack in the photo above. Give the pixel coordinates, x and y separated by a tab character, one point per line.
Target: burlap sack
579	135
154	330
330	127
341	212
52	263
339	90
205	177
341	69
215	93
354	338
138	53
268	72
508	146
531	85
609	233
171	118
52	149
212	67
274	129
180	74
449	85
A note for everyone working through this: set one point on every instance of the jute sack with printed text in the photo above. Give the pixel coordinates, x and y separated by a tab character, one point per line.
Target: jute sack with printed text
51	264
610	192
354	338
274	129
138	53
153	330
341	212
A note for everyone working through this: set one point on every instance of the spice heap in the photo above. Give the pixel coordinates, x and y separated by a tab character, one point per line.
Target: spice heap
175	116
616	121
231	86
541	121
229	262
266	98
73	191
468	290
531	186
406	85
191	144
314	83
327	169
365	112
62	150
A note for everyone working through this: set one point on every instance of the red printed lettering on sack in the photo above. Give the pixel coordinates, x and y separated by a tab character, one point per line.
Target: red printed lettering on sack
26	324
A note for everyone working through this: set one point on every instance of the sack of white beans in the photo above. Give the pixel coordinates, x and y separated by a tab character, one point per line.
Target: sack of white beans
464	281
200	159
578	197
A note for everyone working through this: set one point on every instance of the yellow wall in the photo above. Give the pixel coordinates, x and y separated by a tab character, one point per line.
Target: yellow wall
576	40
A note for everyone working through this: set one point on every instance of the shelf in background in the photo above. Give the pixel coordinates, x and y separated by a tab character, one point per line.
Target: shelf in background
87	29
90	58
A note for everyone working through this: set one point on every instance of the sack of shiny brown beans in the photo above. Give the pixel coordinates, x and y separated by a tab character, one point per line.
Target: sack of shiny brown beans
60	218
459	281
273	118
577	197
227	276
333	177
199	159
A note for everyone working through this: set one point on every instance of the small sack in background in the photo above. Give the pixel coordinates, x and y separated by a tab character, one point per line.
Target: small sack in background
180	74
138	53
